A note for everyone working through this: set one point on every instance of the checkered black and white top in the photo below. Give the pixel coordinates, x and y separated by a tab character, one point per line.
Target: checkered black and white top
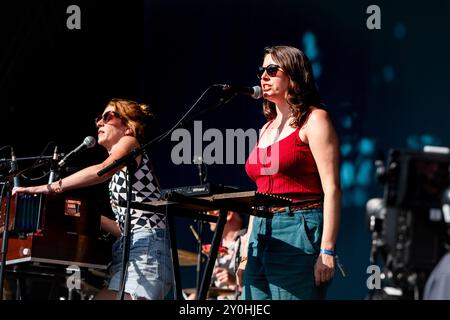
145	189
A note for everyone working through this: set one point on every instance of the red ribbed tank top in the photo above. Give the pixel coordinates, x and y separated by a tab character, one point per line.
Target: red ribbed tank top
293	173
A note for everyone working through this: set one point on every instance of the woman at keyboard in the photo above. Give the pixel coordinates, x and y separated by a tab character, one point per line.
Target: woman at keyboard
121	128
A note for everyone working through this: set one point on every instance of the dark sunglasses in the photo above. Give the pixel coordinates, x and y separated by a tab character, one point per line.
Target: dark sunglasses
107	116
271	70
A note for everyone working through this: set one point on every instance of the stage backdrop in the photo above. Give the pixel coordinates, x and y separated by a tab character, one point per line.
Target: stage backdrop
383	88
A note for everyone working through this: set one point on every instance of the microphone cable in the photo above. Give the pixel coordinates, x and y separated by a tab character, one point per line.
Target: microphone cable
165	134
38	162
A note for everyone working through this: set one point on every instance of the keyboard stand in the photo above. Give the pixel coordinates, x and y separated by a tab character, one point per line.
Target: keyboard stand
248	202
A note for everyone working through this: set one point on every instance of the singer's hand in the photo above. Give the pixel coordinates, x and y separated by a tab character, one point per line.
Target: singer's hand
32	190
109	225
324	268
18	190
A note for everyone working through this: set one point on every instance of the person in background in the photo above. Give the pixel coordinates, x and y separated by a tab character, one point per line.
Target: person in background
223	280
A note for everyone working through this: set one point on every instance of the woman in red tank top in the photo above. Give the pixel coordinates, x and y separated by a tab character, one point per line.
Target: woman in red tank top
292	255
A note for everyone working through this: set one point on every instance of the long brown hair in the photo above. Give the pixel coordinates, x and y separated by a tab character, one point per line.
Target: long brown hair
137	116
302	93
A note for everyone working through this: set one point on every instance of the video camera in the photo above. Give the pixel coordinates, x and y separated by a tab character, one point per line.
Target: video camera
410	225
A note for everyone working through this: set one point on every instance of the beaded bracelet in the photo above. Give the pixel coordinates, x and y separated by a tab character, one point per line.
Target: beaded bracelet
58	189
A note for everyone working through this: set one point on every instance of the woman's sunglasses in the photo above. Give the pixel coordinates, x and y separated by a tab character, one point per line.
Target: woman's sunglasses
271	70
107	116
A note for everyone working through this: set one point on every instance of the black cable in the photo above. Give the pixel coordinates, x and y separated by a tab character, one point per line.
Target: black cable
4	147
37	163
165	134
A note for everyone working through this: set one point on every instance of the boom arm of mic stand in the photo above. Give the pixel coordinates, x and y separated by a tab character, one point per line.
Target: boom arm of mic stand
125	159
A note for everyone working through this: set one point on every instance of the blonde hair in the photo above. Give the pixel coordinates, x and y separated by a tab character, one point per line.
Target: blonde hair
136	116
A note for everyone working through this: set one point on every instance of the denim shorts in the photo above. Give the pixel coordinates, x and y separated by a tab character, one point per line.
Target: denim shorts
282	253
149	273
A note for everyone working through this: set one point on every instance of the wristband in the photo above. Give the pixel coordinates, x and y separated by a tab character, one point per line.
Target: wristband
58	188
328	252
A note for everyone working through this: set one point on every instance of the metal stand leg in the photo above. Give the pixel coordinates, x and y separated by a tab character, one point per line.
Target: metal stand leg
178	293
20	289
217	239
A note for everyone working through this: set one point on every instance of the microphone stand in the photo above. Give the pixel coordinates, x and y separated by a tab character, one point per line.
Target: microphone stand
52	177
131	170
129	159
198	234
199	256
54	168
202	177
8	186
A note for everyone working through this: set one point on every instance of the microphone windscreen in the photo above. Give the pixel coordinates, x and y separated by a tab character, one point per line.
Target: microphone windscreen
257	92
89	142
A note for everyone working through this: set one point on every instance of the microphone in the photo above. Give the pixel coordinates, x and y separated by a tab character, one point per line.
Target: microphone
88	143
53	170
14	168
254	92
